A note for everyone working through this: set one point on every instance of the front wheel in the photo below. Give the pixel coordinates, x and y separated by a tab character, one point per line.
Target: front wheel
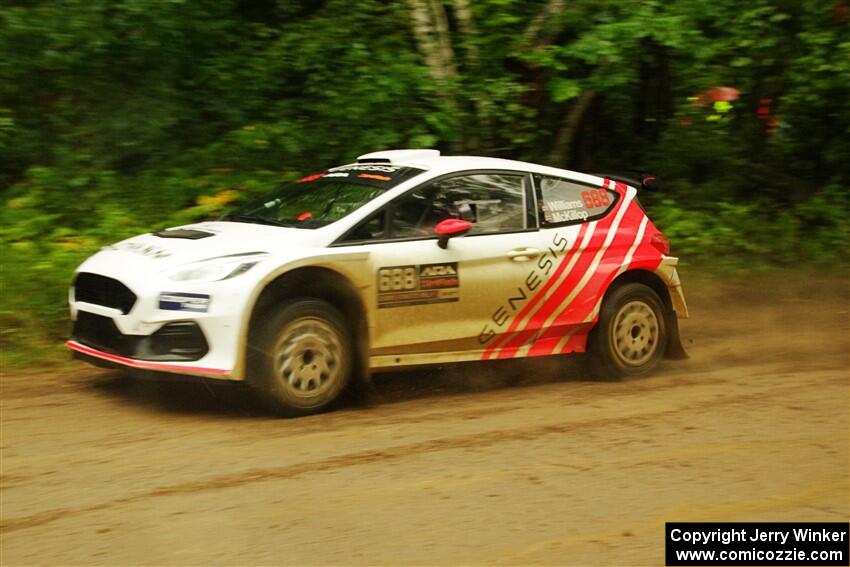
302	357
631	336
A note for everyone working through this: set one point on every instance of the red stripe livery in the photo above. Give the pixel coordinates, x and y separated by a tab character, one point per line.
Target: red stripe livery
570	311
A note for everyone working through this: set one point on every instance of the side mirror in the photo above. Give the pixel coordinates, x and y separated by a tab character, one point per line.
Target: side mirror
650	182
450	228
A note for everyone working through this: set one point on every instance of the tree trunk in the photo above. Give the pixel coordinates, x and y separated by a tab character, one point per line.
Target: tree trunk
430	29
425	32
561	150
468	29
534	35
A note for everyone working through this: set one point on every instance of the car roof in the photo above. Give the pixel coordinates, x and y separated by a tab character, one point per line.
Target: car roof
439	164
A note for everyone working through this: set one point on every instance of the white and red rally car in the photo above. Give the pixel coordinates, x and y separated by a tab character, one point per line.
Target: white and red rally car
403	258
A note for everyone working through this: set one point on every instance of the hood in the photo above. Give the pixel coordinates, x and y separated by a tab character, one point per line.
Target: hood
176	246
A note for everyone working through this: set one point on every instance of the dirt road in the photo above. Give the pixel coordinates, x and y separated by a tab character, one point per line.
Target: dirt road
477	464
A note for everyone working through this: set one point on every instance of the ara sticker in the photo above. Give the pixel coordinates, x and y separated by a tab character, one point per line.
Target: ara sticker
400	286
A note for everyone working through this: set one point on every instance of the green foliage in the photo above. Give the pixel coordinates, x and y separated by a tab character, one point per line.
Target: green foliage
121	116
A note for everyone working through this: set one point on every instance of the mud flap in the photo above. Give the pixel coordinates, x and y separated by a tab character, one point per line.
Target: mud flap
362	388
675	349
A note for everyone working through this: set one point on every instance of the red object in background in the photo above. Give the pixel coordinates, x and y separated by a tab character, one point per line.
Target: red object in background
717	94
452	227
304	216
313	177
841	10
727	94
766	116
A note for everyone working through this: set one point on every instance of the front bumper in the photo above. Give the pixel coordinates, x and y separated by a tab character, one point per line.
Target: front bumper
177	341
146	334
116	360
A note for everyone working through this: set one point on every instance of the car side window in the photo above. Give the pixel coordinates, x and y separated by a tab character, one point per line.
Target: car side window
492	202
562	202
373	228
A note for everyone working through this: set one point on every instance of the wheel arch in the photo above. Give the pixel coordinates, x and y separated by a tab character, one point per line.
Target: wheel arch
647	278
313	282
656	284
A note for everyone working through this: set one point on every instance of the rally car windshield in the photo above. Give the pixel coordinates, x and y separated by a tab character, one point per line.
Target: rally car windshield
320	199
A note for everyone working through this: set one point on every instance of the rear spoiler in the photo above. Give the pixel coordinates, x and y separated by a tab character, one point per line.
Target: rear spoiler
639	180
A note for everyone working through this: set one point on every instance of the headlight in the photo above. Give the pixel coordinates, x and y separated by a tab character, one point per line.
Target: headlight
216	269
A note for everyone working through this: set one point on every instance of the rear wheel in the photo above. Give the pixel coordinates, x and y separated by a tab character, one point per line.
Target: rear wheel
302	357
631	336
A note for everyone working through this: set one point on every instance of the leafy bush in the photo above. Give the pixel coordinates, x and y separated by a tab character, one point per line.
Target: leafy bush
814	232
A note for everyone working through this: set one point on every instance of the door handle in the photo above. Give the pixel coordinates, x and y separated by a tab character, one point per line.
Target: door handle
523	254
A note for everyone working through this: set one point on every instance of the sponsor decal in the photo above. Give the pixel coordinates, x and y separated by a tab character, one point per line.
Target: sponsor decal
578	294
557	317
595	198
562	205
400	286
577	210
531	283
438	276
376	177
143	249
365	167
564	216
381	175
309	178
177	301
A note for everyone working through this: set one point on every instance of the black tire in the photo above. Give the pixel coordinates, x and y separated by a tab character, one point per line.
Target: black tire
631	336
301	358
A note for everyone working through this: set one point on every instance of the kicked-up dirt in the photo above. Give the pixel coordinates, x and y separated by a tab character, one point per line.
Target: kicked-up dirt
501	463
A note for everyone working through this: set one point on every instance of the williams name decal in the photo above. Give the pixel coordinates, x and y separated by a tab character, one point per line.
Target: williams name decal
399	286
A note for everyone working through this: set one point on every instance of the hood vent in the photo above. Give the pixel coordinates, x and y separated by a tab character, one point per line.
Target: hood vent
184	233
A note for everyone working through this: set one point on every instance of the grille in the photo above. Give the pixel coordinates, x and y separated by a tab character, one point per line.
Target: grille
179	340
101	333
100	290
182	340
